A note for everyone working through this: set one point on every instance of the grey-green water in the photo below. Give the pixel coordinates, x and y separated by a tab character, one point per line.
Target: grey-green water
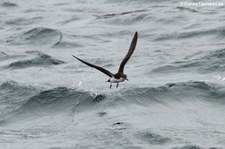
174	98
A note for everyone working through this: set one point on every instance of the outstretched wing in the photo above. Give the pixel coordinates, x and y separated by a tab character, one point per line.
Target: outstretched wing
96	67
130	52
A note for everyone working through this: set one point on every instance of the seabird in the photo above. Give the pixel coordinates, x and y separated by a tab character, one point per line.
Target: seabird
119	76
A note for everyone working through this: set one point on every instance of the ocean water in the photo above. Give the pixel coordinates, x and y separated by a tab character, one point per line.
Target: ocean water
175	96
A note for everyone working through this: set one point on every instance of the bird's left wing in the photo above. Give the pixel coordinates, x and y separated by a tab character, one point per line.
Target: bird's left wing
130	52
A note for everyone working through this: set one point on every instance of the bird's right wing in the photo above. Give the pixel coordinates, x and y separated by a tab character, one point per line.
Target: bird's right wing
108	73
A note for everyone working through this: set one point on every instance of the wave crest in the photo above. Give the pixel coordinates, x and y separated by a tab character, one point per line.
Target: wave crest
42	60
182	92
210	62
38	35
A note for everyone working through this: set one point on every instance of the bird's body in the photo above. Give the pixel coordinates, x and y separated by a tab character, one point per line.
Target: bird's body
114	80
119	76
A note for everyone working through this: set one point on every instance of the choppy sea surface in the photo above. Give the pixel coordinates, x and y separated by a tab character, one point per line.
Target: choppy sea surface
175	96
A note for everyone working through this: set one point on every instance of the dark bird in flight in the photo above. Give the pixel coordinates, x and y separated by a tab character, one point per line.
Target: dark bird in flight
119	76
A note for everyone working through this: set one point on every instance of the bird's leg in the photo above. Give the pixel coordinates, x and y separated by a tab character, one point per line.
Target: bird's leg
117	85
110	85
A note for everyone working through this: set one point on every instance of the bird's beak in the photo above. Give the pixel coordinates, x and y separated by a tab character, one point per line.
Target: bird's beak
127	79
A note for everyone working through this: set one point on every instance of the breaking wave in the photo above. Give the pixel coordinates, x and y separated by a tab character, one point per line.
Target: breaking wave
62	99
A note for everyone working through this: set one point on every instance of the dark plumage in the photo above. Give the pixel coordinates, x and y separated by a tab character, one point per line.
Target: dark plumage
119	76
